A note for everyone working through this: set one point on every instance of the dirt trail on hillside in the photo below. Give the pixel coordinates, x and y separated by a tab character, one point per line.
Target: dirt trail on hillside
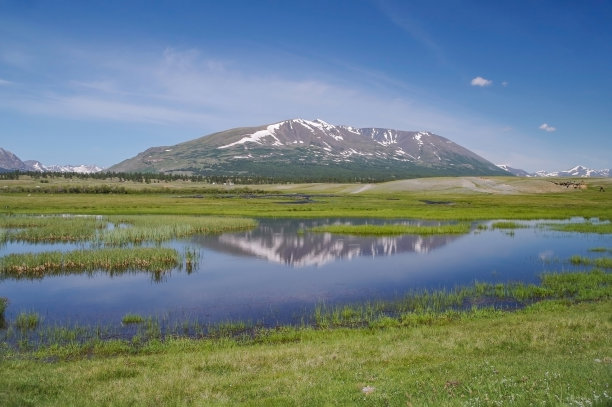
466	185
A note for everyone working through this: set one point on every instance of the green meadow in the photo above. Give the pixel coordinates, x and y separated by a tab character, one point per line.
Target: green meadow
553	347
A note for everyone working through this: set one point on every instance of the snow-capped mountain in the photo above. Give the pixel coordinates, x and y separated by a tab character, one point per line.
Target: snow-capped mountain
272	243
514	171
578	171
10	162
80	169
313	149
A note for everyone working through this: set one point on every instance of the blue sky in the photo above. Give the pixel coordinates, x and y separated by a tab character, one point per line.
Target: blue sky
524	83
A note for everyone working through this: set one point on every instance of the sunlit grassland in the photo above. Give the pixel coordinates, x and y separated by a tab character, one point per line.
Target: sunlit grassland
393	229
382	204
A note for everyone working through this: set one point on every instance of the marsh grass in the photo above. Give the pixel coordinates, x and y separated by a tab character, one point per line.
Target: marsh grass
507	225
392	229
60	228
27	321
422	305
602	262
147	228
113	260
3	305
132	319
133	229
586	227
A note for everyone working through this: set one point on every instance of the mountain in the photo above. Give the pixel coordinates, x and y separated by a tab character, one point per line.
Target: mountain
280	241
316	150
514	171
10	162
577	171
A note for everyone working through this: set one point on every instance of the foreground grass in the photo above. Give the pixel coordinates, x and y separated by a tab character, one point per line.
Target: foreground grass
553	352
547	354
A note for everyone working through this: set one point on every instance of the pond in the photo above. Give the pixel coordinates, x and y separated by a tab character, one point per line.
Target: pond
279	271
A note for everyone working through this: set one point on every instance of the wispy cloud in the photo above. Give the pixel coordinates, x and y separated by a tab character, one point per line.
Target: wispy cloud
412	27
480	81
546	127
4	82
205	92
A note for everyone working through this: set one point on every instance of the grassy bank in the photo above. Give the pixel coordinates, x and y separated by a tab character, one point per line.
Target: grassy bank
548	354
429	350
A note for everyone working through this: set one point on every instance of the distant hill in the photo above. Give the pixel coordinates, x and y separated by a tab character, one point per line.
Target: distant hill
10	162
315	150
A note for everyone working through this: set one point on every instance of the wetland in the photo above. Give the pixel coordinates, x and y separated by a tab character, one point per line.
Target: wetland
422	293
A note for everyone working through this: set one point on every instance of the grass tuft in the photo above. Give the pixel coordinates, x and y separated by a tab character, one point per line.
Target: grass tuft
27	321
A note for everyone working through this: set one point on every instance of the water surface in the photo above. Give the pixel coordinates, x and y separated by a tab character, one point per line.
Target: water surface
279	270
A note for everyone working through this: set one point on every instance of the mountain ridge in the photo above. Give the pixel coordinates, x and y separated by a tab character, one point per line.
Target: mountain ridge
577	171
314	149
10	162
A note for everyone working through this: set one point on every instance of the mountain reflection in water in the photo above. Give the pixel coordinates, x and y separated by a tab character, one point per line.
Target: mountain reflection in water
290	243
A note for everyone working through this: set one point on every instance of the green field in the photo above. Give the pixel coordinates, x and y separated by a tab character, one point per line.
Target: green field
556	350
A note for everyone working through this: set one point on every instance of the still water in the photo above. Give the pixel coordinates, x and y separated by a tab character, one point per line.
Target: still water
278	271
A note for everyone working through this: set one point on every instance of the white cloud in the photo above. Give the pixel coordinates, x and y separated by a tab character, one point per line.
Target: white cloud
547	127
504	84
5	82
187	88
480	81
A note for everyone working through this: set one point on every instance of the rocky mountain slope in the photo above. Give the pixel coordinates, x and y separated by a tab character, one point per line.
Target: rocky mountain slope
10	162
303	149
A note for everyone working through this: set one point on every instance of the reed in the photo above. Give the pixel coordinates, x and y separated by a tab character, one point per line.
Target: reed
27	321
586	227
393	229
507	225
134	229
602	262
148	228
132	319
58	228
114	260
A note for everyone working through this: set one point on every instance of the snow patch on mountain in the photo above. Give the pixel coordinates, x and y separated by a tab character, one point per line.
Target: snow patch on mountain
578	171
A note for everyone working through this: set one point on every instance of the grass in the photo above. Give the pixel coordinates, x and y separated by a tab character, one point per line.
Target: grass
603	262
507	225
27	321
391	229
586	227
113	260
125	229
551	352
546	354
331	200
132	319
37	229
162	228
